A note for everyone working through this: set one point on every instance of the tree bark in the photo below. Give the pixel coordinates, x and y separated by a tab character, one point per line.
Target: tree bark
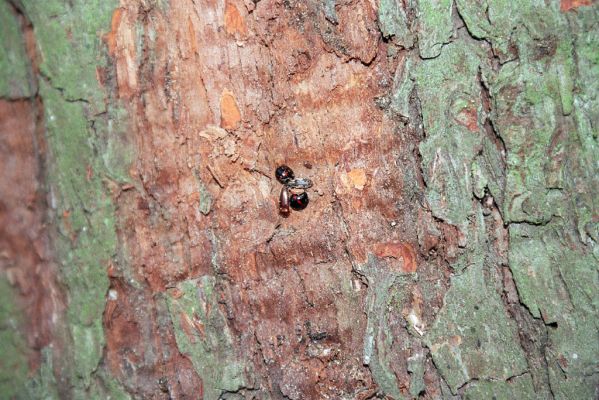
449	248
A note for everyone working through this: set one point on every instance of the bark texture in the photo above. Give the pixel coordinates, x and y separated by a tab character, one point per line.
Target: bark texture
450	248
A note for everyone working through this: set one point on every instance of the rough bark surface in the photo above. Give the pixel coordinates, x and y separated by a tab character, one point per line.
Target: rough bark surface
449	250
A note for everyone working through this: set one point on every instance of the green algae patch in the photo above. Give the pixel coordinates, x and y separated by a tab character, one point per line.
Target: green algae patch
394	24
85	218
112	143
68	36
13	348
376	343
451	118
558	284
573	356
15	71
520	388
43	385
106	388
492	20
552	280
85	221
434	26
85	142
473	337
387	292
202	335
416	369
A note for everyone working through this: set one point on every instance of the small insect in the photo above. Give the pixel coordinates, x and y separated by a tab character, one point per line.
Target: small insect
284	201
288	198
299	183
284	174
299	201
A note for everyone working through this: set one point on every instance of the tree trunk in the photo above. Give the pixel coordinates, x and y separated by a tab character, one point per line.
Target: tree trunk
449	248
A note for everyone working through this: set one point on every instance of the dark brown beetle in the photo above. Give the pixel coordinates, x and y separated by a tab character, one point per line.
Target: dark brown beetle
284	201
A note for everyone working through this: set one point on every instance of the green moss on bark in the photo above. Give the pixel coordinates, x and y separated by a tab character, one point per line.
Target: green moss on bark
520	388
13	348
68	35
473	336
434	26
379	301
81	134
15	70
86	224
451	122
533	147
202	334
394	24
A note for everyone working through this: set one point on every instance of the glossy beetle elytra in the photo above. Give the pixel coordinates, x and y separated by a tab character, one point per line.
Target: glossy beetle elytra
299	201
284	201
284	174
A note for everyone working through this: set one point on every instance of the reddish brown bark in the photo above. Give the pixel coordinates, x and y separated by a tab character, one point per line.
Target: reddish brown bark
277	85
25	253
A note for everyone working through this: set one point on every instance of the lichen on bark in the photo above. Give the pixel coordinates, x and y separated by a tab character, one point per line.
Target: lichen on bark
516	131
66	57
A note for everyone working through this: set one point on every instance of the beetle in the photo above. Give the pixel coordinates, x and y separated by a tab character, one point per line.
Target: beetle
299	201
284	201
284	174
